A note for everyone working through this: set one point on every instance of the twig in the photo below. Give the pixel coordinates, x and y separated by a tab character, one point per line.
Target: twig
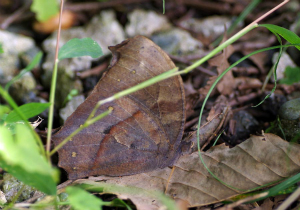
100	5
245	200
244	99
94	71
10	19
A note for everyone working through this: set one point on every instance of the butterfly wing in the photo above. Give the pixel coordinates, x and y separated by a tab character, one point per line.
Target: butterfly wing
145	128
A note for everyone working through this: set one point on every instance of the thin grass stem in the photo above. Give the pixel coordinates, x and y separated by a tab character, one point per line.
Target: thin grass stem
53	86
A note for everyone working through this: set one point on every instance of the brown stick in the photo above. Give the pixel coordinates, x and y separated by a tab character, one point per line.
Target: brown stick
86	6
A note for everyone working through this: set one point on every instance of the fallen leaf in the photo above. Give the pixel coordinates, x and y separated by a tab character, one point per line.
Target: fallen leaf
258	59
226	84
255	162
258	161
145	128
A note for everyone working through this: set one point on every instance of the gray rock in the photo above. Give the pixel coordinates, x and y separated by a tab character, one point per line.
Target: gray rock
177	42
211	27
10	186
65	84
24	88
13	45
290	110
71	107
142	22
284	62
289	114
106	30
245	121
2	199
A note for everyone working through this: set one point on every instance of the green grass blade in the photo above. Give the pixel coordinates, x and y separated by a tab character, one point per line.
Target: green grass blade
240	18
285	187
29	110
1	49
253	4
288	35
274	72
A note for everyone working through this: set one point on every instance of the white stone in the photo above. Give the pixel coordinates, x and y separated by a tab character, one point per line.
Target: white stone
146	23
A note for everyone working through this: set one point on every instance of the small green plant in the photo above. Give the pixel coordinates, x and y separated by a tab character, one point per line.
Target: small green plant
291	76
72	93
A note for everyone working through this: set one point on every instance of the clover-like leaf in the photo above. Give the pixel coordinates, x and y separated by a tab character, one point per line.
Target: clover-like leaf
80	47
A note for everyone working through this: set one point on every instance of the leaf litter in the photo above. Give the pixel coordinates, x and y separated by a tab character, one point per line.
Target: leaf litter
245	167
257	162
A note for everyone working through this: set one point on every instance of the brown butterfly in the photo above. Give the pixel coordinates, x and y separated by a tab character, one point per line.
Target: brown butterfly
145	128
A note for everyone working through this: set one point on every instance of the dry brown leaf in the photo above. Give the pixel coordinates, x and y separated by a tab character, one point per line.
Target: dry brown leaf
204	90
247	81
226	85
255	162
267	204
258	59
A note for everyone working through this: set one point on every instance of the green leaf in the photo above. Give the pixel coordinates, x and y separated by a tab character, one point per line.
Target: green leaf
19	155
28	68
288	35
28	110
80	47
44	9
292	75
82	200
